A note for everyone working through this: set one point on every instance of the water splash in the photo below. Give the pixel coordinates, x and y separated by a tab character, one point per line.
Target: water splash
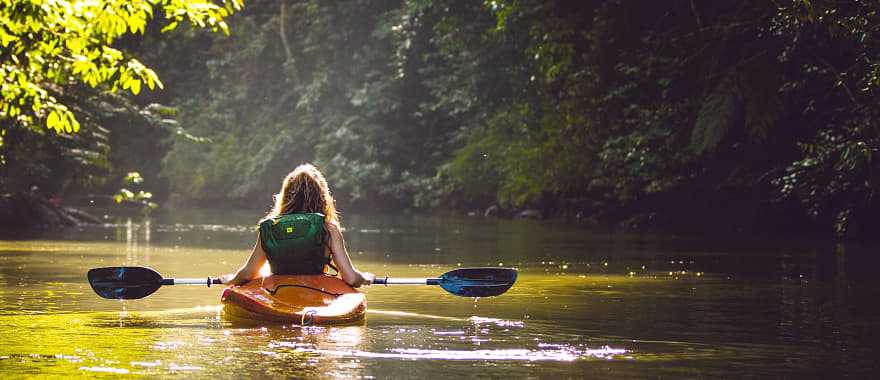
495	321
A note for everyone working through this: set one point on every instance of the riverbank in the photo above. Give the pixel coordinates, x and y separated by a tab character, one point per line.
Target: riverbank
27	215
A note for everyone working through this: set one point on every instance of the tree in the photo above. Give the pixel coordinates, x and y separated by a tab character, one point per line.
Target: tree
48	46
713	115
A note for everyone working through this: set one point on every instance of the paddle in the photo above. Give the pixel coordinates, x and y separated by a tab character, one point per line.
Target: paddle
127	283
465	282
139	282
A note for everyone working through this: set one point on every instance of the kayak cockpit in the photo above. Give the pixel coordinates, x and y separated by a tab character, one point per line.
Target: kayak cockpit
298	299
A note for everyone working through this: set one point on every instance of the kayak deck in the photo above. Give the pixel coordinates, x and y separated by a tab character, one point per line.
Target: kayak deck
300	299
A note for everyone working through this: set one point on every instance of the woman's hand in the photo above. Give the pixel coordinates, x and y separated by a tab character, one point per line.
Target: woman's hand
368	278
226	279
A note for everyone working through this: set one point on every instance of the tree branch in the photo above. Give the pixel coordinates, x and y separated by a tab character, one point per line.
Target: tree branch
281	20
696	15
839	79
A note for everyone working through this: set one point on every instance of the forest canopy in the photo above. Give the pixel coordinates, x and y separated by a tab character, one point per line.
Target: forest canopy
719	115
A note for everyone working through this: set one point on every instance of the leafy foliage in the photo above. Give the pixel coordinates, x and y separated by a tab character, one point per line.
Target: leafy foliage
724	114
65	66
600	106
141	197
48	45
833	54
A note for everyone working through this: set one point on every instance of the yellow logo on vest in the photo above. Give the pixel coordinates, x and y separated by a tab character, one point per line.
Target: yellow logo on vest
290	230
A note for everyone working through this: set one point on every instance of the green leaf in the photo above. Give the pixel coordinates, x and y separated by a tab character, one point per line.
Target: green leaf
169	27
53	120
74	124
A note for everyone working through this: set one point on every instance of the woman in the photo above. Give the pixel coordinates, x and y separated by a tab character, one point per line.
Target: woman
301	235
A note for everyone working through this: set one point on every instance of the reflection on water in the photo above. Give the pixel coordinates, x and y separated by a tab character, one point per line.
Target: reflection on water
551	352
196	340
586	304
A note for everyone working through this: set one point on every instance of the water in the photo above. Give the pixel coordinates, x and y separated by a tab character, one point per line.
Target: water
586	304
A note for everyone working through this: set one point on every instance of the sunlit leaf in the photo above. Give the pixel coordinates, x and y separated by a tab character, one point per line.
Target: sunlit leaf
53	120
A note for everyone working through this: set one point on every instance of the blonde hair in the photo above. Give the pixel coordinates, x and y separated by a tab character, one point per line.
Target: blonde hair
304	190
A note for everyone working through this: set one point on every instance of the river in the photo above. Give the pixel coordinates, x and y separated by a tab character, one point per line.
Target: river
588	303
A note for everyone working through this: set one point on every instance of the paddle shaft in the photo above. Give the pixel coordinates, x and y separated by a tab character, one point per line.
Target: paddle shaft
406	281
191	281
379	281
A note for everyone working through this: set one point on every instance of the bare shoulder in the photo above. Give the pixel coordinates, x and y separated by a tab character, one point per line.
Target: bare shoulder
333	227
334	232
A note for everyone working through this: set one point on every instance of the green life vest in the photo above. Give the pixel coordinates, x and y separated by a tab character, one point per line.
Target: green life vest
294	243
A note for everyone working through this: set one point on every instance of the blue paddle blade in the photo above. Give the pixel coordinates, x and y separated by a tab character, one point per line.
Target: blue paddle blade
478	282
124	282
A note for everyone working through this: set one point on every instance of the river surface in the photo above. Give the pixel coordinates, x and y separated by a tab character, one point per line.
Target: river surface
587	303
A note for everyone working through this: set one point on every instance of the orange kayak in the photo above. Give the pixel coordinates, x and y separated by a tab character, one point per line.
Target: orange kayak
301	299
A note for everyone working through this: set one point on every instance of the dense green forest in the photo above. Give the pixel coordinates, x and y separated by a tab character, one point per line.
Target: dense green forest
694	115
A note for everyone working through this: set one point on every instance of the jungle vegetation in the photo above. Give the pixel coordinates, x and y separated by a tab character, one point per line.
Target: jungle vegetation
716	116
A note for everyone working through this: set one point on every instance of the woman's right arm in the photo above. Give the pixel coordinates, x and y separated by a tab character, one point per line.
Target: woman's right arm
349	273
251	268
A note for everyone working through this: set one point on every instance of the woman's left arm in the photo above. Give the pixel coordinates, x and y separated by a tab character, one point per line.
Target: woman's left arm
349	273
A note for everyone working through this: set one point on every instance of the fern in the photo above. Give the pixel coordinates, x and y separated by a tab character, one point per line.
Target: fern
762	105
718	114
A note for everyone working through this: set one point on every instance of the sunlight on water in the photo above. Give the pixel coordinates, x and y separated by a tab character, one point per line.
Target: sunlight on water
412	315
562	354
118	371
649	317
